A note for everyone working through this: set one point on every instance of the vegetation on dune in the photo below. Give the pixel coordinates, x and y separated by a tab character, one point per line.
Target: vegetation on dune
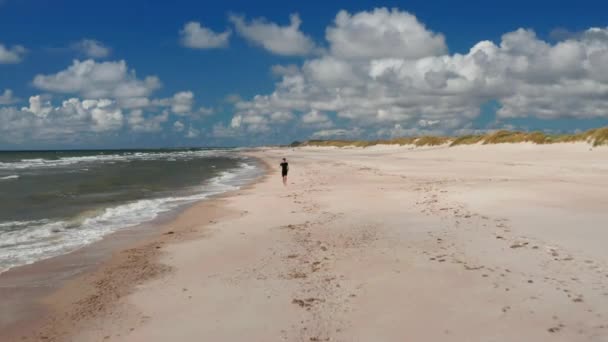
396	141
502	137
595	137
428	140
467	140
338	143
600	136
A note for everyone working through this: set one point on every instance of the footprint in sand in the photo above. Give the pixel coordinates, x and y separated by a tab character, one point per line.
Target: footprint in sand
297	275
519	245
307	303
556	329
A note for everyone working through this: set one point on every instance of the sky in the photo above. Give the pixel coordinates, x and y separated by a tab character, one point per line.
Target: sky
134	74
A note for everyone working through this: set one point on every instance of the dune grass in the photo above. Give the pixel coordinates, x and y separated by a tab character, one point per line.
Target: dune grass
594	137
338	143
399	141
467	140
428	140
600	136
502	137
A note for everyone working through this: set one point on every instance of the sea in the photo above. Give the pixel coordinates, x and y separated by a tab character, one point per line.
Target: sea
54	202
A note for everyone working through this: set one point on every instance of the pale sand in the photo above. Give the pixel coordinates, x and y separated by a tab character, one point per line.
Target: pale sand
472	243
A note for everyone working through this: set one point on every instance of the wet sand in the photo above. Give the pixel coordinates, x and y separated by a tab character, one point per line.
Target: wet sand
483	243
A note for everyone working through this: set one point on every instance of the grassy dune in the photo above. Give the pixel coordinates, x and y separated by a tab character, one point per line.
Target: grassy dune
595	137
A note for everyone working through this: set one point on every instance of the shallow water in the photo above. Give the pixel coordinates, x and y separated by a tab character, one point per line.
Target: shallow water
53	202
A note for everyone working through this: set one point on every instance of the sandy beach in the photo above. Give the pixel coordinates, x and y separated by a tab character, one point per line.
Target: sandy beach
471	243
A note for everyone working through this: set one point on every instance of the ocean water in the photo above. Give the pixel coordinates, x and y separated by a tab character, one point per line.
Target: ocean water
54	202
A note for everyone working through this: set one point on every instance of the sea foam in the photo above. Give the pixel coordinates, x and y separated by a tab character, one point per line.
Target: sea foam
25	242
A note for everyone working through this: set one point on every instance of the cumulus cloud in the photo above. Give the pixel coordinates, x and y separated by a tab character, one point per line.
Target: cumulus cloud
252	123
284	70
178	126
192	133
104	113
76	120
204	111
281	40
91	79
11	55
139	123
194	36
71	121
281	117
182	102
338	133
397	130
138	102
106	98
40	106
386	73
221	131
7	97
316	118
382	33
92	48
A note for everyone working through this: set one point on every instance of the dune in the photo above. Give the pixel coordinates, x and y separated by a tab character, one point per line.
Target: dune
595	137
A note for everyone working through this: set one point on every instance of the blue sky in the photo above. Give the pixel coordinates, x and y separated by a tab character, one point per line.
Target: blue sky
386	69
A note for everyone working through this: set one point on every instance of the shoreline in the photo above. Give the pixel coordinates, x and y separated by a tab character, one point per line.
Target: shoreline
39	292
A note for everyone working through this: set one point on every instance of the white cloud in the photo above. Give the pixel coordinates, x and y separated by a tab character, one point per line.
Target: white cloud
284	70
281	40
399	131
427	123
192	133
236	121
281	117
7	97
74	120
382	34
92	48
11	55
221	131
385	73
139	123
339	133
91	79
136	102
193	35
108	98
316	118
178	126
252	123
38	106
182	102
105	114
204	111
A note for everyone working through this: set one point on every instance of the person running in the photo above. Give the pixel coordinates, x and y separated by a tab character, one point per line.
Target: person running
284	170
